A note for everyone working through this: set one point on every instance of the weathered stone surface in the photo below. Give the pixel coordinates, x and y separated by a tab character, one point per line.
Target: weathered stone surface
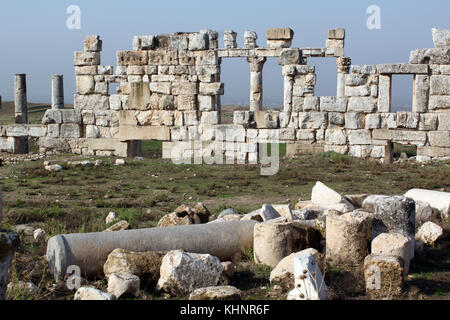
394	244
424	212
440	85
183	272
93	43
322	195
121	225
123	283
216	293
436	199
290	57
127	58
441	38
283	273
86	59
362	104
279	34
430	56
309	283
346	239
86	293
394	215
274	241
384	276
146	265
429	232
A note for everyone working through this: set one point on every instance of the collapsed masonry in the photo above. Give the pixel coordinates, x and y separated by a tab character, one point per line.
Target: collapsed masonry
170	90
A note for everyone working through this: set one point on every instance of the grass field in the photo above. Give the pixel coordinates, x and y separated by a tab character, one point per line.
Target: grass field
142	191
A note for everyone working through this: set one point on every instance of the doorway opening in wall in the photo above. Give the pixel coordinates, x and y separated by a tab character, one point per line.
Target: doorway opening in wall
235	75
403	151
273	85
150	149
281	147
402	92
326	76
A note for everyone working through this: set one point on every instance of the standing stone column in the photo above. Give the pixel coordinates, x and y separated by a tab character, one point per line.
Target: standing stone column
20	99
343	66
256	82
20	111
57	92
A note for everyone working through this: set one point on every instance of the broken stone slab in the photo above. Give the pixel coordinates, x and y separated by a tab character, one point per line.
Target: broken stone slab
429	233
145	265
424	213
384	276
226	212
309	282
322	195
86	293
90	250
183	272
216	293
436	199
346	239
279	34
8	243
274	241
394	244
53	168
123	283
441	38
121	225
283	273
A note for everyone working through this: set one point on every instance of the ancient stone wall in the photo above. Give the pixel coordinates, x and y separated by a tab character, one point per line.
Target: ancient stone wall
170	88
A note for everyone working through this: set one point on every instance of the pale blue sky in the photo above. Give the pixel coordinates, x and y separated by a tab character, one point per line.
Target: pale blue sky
35	40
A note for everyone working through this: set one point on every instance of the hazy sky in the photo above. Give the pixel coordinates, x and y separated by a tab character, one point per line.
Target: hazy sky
36	41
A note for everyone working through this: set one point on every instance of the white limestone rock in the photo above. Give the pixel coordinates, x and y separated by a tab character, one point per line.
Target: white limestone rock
183	272
429	232
53	167
111	217
436	199
123	283
324	196
86	293
393	244
39	235
441	38
309	283
216	293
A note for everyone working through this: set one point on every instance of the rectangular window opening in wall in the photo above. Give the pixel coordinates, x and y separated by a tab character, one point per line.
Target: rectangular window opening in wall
113	87
235	74
282	147
402	92
404	151
149	149
273	85
326	75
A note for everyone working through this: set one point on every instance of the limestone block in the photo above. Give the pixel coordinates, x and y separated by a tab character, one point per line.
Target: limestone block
353	120
430	56
421	93
384	276
183	272
307	134
441	38
309	282
180	42
186	102
242	117
373	121
52	116
70	131
363	69
211	117
127	58
335	137
123	283
384	93
346	240
86	293
85	84
279	34
359	91
440	85
115	102
334	43
360	151
436	199
86	59
360	137
378	152
439	138
144	42
312	120
394	244
333	104
311	103
444	121
429	233
211	89
216	293
394	215
86	70
439	102
428	121
362	104
278	44
338	33
184	88
93	43
402	68
290	57
71	116
144	133
273	241
414	137
336	118
206	103
355	79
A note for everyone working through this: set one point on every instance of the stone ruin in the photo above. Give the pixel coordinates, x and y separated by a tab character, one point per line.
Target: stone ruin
170	90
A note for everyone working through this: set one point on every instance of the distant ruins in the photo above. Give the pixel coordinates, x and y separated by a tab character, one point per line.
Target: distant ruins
170	91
